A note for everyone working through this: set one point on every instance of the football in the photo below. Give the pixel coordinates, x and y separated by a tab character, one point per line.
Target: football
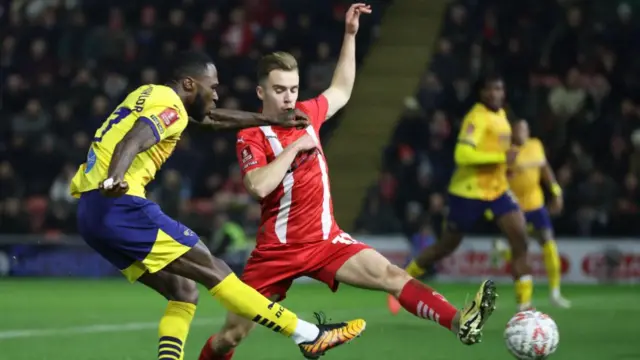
531	335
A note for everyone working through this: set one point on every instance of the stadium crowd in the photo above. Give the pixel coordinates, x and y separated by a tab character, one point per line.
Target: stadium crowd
571	69
64	65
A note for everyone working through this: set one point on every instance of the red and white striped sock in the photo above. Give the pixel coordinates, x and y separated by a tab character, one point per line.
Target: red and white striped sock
424	302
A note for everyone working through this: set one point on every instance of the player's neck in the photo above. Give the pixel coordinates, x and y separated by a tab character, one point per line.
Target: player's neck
489	107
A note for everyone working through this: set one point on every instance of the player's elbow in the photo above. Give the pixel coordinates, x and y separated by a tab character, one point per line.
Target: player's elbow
463	154
255	187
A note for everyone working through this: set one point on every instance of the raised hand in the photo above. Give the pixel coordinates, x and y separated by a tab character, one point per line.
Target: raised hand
352	19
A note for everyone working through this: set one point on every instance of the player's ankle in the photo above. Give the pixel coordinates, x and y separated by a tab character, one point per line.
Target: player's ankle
555	292
455	323
305	332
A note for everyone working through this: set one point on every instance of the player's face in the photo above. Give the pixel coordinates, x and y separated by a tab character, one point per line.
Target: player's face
279	92
494	94
520	132
204	93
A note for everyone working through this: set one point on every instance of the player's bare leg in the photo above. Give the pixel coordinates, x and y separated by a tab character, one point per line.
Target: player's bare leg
199	265
553	266
513	226
182	295
444	246
368	269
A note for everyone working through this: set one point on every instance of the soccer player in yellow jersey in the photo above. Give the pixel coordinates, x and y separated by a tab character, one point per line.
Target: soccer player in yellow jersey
530	167
479	183
132	233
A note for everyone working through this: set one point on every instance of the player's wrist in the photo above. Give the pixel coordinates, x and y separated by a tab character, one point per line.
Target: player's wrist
556	190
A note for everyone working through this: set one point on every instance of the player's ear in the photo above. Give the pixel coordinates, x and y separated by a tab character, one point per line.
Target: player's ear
189	84
260	92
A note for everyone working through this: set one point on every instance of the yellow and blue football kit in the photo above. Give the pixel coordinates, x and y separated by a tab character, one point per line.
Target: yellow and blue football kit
131	231
479	183
524	180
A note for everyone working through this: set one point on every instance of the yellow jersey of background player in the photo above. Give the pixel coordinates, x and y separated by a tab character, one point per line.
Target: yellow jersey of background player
525	177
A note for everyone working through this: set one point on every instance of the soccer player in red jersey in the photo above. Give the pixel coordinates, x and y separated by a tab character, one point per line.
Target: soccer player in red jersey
298	235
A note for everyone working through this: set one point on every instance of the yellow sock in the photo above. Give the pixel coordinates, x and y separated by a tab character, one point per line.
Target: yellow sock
552	263
173	330
414	269
241	299
524	290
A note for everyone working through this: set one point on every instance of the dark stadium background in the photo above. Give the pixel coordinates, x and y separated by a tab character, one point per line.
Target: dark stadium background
571	69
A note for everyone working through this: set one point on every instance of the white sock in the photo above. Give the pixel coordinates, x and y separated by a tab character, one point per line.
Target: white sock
305	332
555	292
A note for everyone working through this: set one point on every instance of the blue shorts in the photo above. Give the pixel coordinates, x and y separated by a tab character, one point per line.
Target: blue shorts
464	213
538	219
132	233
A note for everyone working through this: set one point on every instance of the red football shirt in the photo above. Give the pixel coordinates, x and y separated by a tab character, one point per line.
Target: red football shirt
300	209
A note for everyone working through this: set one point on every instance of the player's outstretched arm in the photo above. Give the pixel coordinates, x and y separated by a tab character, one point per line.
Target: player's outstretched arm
263	181
467	154
344	76
224	119
140	138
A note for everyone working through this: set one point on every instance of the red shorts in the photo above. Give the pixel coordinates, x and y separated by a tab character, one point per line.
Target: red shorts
272	268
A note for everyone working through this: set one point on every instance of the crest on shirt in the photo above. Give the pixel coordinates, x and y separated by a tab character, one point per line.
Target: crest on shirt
246	154
470	129
169	116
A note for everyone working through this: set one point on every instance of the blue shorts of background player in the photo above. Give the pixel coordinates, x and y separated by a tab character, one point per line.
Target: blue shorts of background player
464	213
132	233
538	219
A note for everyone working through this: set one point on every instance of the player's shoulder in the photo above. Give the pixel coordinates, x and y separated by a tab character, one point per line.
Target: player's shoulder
477	111
535	143
155	95
253	133
313	105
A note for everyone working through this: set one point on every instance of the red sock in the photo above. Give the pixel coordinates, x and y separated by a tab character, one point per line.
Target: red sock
422	301
207	352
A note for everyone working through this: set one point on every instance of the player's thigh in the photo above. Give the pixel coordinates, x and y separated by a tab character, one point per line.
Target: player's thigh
172	287
463	213
271	272
510	219
199	265
539	222
368	269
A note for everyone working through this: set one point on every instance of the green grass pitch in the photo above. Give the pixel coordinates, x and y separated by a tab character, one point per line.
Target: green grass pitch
112	320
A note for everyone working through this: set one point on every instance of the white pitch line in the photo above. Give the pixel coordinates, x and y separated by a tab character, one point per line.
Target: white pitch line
96	328
137	326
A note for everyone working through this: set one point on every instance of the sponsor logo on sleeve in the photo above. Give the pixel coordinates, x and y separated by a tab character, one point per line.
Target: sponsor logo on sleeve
157	123
169	116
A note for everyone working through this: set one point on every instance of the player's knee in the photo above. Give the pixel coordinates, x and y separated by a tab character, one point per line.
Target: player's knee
184	290
394	279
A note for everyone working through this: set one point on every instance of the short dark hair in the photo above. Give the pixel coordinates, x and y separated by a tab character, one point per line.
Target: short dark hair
276	61
484	81
189	64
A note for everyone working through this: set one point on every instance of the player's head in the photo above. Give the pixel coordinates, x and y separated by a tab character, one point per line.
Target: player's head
491	91
520	130
196	78
278	82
